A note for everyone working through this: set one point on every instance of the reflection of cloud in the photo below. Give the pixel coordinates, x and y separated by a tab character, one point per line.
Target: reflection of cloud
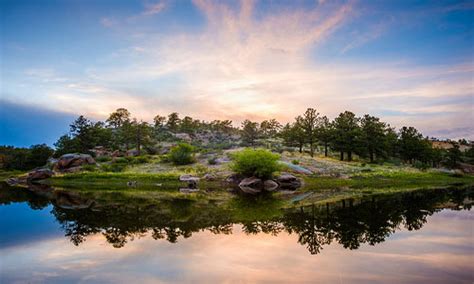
440	252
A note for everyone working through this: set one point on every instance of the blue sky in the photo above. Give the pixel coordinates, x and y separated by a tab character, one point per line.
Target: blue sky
409	62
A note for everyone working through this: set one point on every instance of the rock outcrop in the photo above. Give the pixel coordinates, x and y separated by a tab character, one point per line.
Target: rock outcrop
72	162
39	174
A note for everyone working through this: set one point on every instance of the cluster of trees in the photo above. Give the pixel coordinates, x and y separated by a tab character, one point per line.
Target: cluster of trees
366	136
12	158
121	131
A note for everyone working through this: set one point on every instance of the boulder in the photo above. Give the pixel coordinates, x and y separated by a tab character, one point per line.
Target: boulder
270	185
288	181
68	161
466	168
100	151
39	174
132	153
250	190
183	136
117	153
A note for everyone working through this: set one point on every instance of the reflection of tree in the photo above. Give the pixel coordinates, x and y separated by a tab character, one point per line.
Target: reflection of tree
349	222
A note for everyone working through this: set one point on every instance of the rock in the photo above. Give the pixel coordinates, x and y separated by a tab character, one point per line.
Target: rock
222	160
297	168
466	168
270	185
183	136
117	153
39	174
288	181
100	151
251	185
68	161
188	190
132	153
210	177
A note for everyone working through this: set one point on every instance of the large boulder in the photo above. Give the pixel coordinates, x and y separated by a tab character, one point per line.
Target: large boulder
39	174
288	181
132	153
68	161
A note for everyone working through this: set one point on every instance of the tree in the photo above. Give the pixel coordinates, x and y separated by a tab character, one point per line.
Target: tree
346	134
82	130
118	121
142	133
173	121
309	123
188	125
66	144
372	135
250	132
410	144
159	121
453	156
270	128
39	155
324	133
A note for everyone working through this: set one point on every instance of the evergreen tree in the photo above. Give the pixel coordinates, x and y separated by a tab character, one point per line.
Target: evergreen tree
346	134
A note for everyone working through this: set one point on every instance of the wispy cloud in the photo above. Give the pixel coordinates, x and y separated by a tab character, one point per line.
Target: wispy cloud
153	8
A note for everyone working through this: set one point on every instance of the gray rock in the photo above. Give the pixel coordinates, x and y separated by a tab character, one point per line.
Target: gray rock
288	181
250	190
251	182
191	180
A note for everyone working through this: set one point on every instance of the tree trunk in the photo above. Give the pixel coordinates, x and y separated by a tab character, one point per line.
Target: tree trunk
301	148
325	149
371	156
349	156
342	156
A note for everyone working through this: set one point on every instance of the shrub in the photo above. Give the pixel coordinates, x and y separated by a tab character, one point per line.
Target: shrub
212	161
140	160
103	159
260	163
182	154
421	166
295	162
89	168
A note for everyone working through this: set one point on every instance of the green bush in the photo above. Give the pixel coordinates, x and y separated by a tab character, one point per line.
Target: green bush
89	168
140	160
295	162
212	161
182	154
103	159
260	163
421	166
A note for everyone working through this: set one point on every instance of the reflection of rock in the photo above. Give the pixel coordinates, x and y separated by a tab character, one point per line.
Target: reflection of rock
288	181
70	162
39	174
191	180
234	179
270	185
251	185
67	200
210	177
188	190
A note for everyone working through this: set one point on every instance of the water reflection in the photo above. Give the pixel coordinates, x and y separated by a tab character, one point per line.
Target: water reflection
121	219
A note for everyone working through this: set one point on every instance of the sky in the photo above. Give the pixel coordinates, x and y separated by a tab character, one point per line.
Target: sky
407	62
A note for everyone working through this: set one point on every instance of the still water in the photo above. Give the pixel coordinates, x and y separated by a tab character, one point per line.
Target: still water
57	237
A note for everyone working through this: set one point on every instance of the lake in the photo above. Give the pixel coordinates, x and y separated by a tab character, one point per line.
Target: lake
57	236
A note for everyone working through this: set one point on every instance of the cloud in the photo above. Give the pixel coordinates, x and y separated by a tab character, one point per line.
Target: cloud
246	64
108	22
153	8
